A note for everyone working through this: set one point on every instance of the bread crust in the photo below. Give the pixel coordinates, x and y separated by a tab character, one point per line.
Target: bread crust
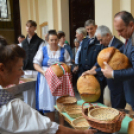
88	88
58	70
114	58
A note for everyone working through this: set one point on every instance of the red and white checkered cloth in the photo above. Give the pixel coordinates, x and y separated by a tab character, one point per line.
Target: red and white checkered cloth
59	86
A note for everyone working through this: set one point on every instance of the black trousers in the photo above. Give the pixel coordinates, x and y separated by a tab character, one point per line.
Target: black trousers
103	84
118	101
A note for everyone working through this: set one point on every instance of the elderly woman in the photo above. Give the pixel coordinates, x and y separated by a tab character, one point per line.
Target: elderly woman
42	61
16	116
74	50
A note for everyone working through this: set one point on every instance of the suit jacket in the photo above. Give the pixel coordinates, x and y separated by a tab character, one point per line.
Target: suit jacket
73	57
127	75
73	53
88	54
68	48
115	86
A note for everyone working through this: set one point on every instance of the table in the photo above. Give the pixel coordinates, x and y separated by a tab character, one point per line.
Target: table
124	124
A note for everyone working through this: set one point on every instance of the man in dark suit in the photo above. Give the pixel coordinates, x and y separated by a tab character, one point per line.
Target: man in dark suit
124	25
88	54
106	38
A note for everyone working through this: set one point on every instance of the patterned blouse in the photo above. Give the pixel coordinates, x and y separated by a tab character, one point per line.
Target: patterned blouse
5	97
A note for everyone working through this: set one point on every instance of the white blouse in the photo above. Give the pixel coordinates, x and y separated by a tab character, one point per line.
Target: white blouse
52	55
16	117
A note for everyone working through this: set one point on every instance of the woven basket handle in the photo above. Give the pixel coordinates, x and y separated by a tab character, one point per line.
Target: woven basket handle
85	103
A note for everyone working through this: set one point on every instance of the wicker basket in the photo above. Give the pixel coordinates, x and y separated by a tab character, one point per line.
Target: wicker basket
104	126
75	106
103	114
80	123
74	113
64	101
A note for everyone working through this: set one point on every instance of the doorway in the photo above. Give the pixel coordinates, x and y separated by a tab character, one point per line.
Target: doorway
10	20
79	12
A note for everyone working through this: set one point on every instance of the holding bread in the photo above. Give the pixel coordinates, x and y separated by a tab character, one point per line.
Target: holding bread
88	88
114	58
60	68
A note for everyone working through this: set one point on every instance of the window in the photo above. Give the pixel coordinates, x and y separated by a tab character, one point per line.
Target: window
5	13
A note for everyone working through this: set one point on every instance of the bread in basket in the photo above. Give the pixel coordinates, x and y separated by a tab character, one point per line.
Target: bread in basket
114	58
88	88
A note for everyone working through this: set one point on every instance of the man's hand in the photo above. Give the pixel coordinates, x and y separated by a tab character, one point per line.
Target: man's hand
75	69
90	72
108	71
90	131
86	73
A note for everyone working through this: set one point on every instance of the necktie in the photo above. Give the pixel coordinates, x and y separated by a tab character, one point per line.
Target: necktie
89	40
126	42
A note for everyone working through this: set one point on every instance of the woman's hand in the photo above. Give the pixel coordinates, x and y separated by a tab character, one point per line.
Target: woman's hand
66	130
90	131
44	72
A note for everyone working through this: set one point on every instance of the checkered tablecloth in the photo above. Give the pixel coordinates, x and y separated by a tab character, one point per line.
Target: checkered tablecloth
59	86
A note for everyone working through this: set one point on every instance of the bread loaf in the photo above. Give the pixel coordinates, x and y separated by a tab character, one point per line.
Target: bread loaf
114	58
60	69
131	127
88	88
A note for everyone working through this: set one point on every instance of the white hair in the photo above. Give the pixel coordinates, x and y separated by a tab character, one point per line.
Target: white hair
82	30
76	40
103	31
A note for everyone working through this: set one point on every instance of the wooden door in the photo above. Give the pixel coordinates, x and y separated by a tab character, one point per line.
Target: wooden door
16	19
10	27
79	12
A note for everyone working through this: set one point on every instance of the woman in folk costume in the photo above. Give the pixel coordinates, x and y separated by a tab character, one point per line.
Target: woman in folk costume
44	58
17	117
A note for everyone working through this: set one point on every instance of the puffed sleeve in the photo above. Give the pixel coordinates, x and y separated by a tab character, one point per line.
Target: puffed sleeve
67	58
17	117
42	45
38	57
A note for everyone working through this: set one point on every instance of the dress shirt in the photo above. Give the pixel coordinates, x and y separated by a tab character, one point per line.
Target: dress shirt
78	54
111	41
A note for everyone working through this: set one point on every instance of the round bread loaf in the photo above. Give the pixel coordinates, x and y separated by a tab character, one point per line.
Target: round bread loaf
131	127
60	68
88	88
114	58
